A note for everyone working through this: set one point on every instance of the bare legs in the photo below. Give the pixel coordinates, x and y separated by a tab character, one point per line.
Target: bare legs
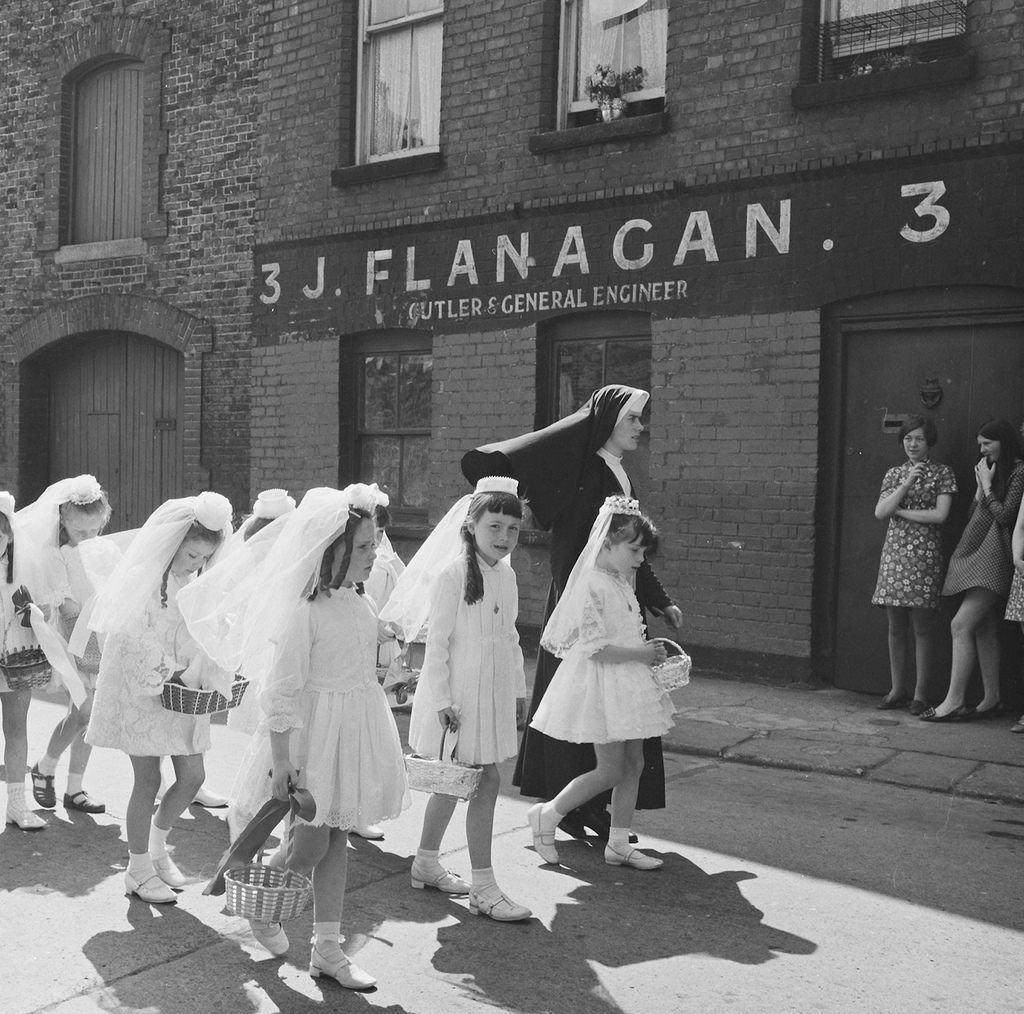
618	768
321	853
901	621
975	639
479	819
139	818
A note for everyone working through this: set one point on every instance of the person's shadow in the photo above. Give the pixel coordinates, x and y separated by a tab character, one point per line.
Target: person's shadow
617	918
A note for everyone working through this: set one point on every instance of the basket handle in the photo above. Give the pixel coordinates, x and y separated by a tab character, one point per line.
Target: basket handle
669	644
455	745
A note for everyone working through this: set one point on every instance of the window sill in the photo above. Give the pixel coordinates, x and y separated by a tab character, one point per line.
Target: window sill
391	168
107	250
888	82
599	133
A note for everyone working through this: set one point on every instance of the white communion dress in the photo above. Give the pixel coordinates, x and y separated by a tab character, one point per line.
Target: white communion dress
604	702
127	714
323	689
473	662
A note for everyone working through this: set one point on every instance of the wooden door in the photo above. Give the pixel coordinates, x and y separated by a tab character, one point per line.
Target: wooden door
978	369
115	411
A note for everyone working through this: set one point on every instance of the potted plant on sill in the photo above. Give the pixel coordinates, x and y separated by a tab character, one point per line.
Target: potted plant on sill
608	87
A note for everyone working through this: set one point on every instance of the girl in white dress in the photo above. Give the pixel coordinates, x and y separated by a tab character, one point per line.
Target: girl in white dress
146	644
604	691
472	682
66	515
299	628
14	703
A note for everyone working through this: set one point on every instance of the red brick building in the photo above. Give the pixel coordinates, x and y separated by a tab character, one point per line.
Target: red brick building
383	232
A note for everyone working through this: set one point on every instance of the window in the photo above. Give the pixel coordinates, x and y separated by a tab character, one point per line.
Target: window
106	161
620	35
400	105
861	37
589	351
392	428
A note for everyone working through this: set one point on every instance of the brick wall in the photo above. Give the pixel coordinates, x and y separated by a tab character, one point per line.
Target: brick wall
200	157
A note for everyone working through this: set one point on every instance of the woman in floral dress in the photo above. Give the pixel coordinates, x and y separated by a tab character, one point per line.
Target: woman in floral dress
916	498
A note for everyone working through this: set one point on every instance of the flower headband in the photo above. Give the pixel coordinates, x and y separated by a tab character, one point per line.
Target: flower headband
83	489
622	505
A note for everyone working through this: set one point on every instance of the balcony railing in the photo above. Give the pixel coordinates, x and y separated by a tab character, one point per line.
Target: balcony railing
892	39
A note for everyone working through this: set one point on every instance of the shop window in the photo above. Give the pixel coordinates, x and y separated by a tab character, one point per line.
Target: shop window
587	352
107	154
400	95
391	380
622	42
865	37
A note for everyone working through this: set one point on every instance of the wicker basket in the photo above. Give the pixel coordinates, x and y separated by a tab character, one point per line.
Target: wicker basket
26	669
175	696
674	672
447	777
265	893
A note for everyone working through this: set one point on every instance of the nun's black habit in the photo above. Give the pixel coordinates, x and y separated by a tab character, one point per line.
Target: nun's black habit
565	481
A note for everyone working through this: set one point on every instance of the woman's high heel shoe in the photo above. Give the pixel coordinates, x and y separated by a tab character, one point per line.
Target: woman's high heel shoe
339	968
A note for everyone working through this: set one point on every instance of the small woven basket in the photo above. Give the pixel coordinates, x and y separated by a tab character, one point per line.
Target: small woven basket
447	777
674	672
175	696
265	893
26	669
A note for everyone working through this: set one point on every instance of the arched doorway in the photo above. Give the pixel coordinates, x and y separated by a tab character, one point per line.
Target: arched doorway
110	404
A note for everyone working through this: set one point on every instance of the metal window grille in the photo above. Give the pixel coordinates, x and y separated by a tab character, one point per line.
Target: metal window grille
892	39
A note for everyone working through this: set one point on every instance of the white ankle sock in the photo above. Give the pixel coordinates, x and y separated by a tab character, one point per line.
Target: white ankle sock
158	841
618	839
74	783
47	765
16	797
427	859
326	935
140	865
482	879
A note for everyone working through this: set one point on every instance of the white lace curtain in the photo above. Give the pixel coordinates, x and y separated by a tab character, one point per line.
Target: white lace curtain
622	34
405	77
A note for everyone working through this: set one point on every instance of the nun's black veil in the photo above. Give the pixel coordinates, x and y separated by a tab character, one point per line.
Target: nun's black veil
549	463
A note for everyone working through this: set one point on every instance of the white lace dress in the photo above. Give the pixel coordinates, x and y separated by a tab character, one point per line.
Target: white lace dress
604	702
136	662
323	689
472	662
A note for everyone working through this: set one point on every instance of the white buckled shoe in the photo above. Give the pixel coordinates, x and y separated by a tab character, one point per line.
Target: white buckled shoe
271	935
25	820
151	890
338	967
631	857
497	905
445	881
167	870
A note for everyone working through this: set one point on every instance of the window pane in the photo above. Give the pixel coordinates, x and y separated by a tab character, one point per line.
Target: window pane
382	11
380	463
380	392
628	363
414	490
612	34
579	371
414	391
405	88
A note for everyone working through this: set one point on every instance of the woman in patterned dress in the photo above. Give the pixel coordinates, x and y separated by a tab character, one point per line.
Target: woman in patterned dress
915	498
981	568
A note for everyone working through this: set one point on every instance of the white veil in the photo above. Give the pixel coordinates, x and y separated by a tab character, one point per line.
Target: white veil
239	611
409	605
567	623
125	594
40	528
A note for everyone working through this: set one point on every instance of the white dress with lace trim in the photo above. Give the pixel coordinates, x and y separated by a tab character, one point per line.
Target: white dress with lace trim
604	702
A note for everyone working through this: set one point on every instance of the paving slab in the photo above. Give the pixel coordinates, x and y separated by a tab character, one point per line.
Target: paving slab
779	750
923	771
703	739
1004	782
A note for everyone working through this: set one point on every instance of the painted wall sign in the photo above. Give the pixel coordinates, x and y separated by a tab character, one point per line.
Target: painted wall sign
798	246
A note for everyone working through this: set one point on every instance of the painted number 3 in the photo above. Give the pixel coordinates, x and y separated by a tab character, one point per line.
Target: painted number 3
929	208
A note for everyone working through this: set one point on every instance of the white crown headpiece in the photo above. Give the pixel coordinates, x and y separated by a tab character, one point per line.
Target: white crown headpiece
83	489
622	505
497	484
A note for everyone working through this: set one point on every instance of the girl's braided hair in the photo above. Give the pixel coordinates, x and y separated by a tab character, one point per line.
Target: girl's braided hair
345	542
497	503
